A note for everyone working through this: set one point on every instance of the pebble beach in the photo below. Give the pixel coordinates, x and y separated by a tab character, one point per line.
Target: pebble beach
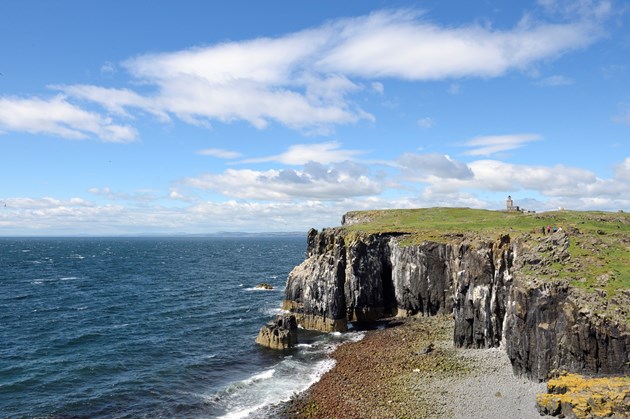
410	369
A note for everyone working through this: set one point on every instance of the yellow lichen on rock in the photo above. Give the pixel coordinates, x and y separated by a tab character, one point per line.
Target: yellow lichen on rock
574	395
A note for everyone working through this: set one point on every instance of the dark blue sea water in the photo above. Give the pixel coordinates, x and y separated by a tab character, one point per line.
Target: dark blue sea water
147	327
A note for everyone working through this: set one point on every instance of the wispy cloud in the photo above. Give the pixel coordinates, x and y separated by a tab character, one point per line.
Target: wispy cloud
404	45
306	80
56	116
378	87
488	145
299	154
220	153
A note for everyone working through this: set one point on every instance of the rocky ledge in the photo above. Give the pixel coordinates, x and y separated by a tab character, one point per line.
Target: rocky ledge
573	395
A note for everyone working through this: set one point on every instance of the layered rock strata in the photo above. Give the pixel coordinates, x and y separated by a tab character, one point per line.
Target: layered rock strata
542	326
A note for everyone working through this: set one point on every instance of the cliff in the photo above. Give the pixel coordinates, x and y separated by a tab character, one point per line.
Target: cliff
505	286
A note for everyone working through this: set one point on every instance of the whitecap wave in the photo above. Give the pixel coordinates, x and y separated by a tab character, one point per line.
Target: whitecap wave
263	390
274	311
261	289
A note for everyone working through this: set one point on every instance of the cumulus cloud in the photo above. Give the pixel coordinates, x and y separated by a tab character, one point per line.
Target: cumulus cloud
554	182
314	181
305	80
488	145
622	170
318	195
56	116
299	154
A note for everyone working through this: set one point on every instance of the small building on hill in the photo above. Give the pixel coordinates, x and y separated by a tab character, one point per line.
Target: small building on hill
509	204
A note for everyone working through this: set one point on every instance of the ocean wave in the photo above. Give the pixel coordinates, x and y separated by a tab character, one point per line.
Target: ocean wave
262	289
256	395
265	375
275	311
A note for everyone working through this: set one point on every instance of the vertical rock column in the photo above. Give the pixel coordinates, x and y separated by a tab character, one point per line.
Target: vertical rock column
482	282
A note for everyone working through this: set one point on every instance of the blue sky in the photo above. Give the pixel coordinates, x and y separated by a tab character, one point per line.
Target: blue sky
165	117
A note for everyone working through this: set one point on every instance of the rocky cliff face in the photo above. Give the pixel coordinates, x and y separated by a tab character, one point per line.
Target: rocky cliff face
351	277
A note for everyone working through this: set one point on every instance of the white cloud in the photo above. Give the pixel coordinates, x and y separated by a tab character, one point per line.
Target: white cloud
425	122
314	181
220	153
402	45
56	116
113	100
136	196
622	170
299	154
488	145
303	80
317	196
554	182
422	166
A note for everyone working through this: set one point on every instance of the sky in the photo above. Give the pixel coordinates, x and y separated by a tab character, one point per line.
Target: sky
167	117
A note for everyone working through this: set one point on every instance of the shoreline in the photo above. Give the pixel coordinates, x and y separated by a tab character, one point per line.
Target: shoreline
411	369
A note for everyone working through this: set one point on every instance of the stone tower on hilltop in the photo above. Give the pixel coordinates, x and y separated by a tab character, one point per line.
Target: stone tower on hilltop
509	204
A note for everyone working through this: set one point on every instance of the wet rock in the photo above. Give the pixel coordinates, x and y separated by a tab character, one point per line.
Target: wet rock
280	333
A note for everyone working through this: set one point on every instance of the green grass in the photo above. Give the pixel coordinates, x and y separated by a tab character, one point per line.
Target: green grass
440	221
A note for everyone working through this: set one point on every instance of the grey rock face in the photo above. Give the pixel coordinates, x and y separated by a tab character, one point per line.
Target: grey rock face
314	290
481	285
368	290
422	278
546	329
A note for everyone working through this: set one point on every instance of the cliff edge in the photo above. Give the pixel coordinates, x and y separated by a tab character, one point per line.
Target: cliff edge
552	300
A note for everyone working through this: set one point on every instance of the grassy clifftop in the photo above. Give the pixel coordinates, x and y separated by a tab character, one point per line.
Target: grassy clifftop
599	242
438	221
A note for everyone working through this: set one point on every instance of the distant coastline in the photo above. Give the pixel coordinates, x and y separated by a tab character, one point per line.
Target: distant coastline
219	234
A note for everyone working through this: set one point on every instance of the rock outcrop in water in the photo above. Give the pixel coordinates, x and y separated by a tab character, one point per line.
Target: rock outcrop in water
279	334
543	326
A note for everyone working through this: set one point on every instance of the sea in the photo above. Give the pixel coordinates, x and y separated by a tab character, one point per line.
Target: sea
149	327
